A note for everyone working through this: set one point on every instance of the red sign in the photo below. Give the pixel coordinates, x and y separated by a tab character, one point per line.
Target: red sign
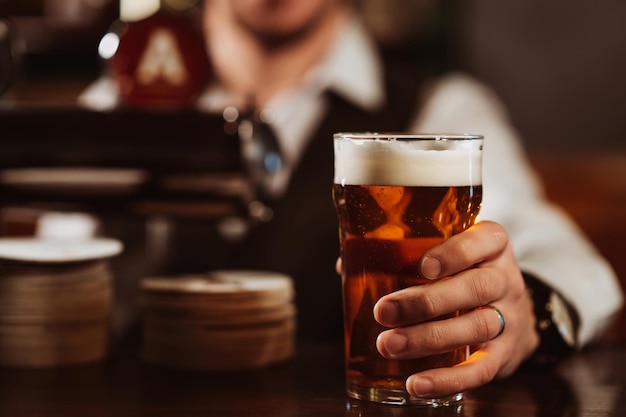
160	61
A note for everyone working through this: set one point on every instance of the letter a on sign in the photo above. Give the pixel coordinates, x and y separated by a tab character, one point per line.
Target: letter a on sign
161	60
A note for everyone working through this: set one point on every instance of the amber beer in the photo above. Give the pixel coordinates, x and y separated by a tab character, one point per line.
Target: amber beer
396	196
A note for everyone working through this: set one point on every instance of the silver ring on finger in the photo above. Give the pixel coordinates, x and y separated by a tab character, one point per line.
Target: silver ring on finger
500	318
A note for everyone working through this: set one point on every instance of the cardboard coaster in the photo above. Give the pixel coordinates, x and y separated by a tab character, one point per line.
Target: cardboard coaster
55	301
226	318
220	292
193	346
53	345
221	320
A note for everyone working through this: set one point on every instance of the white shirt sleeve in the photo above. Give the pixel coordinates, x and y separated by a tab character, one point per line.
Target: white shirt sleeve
546	241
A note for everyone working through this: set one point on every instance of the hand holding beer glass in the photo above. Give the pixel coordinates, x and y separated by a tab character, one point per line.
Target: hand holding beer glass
397	195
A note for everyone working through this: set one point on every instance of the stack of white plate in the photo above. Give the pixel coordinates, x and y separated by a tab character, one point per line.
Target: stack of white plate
224	320
55	301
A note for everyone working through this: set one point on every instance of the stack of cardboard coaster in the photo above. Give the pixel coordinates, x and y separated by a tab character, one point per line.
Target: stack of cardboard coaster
223	320
55	301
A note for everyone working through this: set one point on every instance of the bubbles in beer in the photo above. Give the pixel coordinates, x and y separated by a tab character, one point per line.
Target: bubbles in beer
362	214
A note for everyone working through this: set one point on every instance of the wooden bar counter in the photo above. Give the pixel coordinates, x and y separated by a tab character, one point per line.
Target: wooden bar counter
591	383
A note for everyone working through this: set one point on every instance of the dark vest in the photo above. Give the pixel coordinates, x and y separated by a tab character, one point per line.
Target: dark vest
302	238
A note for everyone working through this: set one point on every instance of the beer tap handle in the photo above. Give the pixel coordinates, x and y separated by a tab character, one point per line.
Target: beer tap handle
261	153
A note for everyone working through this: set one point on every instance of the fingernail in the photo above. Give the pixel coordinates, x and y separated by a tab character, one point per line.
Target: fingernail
387	313
395	343
420	387
431	267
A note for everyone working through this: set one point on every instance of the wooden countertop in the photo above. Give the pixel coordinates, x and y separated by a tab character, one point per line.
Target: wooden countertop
312	384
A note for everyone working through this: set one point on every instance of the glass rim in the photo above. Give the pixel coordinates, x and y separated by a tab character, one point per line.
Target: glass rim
407	136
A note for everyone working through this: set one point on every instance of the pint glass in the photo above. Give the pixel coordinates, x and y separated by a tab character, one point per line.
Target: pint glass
396	196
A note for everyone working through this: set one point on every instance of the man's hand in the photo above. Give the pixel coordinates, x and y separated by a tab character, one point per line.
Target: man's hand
471	270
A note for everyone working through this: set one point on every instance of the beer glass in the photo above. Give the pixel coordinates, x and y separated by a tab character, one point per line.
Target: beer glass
396	196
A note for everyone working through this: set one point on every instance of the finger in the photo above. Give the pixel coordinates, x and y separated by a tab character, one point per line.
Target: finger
481	368
439	336
469	289
483	241
338	265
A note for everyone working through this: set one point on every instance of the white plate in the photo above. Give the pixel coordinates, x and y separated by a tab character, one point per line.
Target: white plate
58	250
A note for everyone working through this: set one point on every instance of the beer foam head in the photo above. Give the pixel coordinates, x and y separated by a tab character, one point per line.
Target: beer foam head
411	160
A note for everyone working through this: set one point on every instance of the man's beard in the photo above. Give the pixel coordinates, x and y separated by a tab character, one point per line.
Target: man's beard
278	39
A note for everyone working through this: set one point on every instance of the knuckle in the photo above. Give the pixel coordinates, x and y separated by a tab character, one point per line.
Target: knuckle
465	248
482	287
435	336
500	236
426	303
499	233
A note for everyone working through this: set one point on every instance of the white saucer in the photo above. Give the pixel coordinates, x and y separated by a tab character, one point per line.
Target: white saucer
58	250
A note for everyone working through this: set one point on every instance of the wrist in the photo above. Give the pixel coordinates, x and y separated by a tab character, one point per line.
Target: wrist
557	323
